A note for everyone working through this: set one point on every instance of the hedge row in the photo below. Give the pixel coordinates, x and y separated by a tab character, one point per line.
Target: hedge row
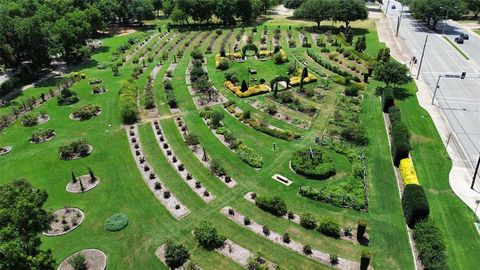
430	245
274	205
415	204
400	142
388	99
128	102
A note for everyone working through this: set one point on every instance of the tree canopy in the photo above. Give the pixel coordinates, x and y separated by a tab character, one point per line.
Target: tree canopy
391	72
432	11
22	219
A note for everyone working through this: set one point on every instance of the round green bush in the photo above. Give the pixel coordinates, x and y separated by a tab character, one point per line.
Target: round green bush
116	222
317	164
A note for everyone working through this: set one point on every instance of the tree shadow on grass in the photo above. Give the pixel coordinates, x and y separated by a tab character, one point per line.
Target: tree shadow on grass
401	93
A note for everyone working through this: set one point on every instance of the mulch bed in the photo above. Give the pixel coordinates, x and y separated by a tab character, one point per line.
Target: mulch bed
65	220
96	260
86	182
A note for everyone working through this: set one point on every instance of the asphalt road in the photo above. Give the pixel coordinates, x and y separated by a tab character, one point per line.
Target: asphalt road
459	99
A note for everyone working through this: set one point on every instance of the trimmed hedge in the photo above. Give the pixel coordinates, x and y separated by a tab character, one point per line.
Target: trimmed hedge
116	222
321	166
415	204
430	245
400	142
388	100
329	226
394	114
274	205
128	102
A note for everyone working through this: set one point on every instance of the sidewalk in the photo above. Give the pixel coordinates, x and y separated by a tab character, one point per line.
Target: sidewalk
460	175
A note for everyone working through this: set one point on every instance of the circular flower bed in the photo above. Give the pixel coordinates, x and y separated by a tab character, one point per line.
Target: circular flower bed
34	119
75	150
5	150
96	90
85	112
313	163
91	259
116	222
42	135
83	184
64	221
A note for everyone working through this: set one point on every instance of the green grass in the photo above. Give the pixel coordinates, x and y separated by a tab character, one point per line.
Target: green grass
456	47
433	165
122	189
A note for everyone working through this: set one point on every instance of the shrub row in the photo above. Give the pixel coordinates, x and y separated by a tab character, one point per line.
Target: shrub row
415	204
128	102
407	171
328	225
430	245
400	142
171	99
348	194
149	95
274	205
335	69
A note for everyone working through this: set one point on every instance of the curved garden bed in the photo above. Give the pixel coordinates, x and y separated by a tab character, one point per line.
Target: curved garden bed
5	150
41	136
83	184
94	259
314	163
64	221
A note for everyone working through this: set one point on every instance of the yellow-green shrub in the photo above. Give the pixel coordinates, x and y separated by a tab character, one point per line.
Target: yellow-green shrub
407	171
252	90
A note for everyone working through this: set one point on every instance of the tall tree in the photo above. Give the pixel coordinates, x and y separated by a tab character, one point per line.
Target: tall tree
316	10
391	72
201	10
244	10
432	11
22	219
225	11
350	10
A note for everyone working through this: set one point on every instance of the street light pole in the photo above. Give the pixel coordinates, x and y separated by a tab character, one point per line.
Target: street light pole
423	54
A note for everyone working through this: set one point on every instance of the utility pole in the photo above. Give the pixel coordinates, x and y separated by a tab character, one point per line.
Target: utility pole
475	174
436	87
386	8
399	21
423	54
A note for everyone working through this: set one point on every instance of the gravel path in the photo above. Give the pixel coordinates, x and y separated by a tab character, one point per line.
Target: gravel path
173	205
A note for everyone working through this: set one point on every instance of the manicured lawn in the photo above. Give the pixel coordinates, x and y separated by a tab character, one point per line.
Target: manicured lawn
150	225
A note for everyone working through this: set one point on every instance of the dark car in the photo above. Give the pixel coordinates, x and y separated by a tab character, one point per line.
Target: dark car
464	36
459	40
394	7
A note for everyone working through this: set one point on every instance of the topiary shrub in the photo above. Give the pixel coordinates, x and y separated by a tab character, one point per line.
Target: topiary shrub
175	255
67	97
315	164
430	245
207	236
274	205
400	142
329	226
308	221
415	204
365	259
394	114
388	99
116	222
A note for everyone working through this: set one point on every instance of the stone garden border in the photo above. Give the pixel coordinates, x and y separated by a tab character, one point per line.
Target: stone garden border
77	156
275	237
172	204
97	256
75	188
78	119
175	162
60	212
44	140
5	150
282	179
